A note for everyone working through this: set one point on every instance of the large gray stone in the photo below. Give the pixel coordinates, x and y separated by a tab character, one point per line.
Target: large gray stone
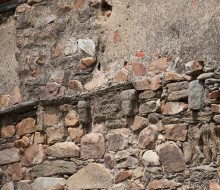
49	183
8	186
50	168
92	176
196	95
24	185
8	156
64	149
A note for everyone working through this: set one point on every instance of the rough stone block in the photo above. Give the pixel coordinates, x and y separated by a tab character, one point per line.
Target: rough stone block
93	145
196	95
171	157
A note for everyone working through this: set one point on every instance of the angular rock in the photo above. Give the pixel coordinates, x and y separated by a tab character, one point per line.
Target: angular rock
147	95
58	76
100	179
173	108
176	132
210	66
49	183
131	162
8	156
51	117
163	184
22	143
217	73
205	76
71	119
172	77
8	131
8	186
114	124
154	118
177	86
52	89
122	176
214	186
155	83
64	149
194	67
76	134
118	139
129	95
33	155
39	138
88	61
24	185
147	107
93	145
138	69
150	158
15	171
187	151
110	161
178	95
129	107
55	134
216	118
215	108
139	122
84	114
26	126
4	101
148	137
158	65
212	81
76	86
53	168
120	77
87	45
142	84
196	95
171	157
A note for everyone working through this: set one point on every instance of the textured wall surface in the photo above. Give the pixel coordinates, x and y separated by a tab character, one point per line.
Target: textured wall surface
111	94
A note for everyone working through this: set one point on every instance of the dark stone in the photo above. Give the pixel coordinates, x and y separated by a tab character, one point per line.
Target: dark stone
129	107
50	168
196	95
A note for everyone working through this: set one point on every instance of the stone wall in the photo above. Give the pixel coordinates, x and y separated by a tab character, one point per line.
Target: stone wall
111	94
158	134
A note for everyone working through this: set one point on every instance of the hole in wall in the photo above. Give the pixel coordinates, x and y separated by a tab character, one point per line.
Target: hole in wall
99	66
106	9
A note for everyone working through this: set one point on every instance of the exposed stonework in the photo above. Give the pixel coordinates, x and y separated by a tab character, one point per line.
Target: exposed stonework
108	94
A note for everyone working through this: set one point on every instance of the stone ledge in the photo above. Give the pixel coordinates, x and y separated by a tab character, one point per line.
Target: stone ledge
32	105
